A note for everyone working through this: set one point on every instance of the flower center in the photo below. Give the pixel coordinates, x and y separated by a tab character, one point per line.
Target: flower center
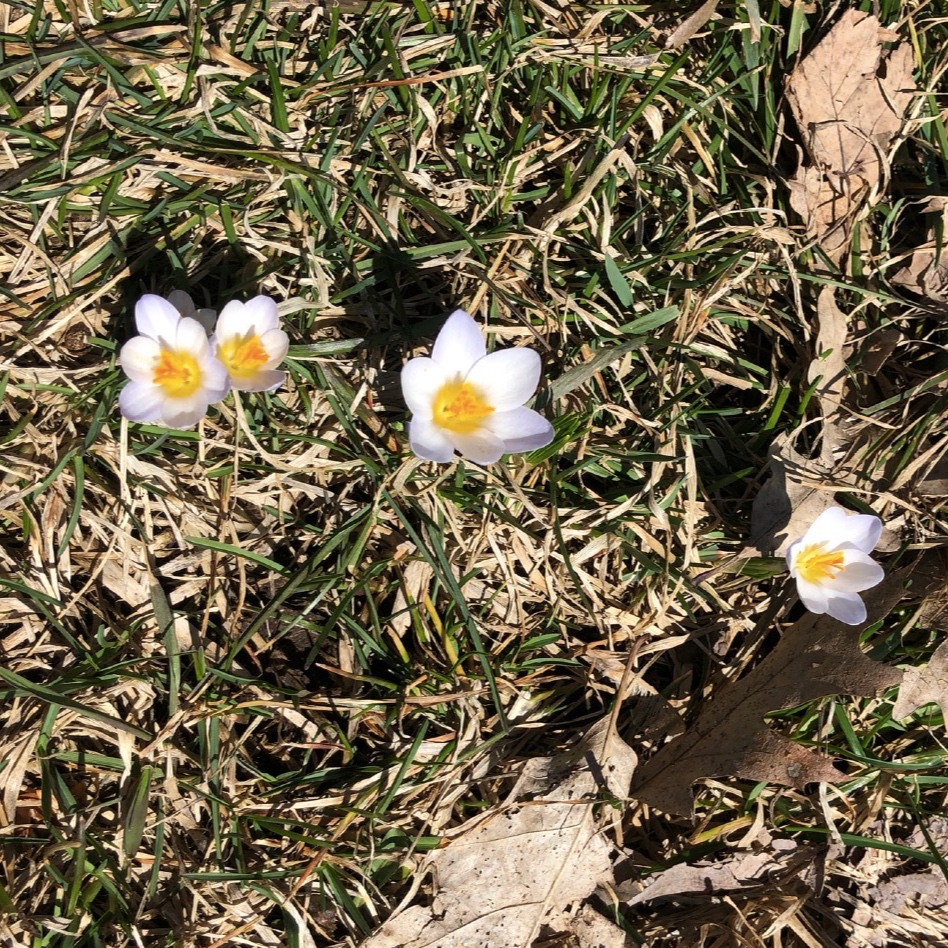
177	373
460	407
815	565
242	355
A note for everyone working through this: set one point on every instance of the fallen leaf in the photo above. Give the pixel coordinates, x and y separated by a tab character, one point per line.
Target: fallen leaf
530	865
921	686
798	491
816	657
827	371
926	273
589	929
928	890
733	874
849	98
687	28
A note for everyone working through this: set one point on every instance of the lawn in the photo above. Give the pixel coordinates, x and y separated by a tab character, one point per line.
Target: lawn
259	676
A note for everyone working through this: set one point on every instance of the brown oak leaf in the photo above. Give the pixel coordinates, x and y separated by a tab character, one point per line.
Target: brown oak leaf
817	656
849	97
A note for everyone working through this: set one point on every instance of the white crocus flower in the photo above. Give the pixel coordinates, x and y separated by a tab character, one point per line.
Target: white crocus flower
248	340
464	400
174	376
831	564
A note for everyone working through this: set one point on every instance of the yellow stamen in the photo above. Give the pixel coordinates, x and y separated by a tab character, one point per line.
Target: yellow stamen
815	565
177	373
460	407
243	355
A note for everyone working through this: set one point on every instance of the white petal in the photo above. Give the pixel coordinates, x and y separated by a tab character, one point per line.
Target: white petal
263	312
521	429
459	344
182	302
863	532
846	607
834	527
481	447
256	317
812	596
428	441
184	412
138	358
215	379
141	402
506	378
421	379
792	552
266	380
234	320
191	338
859	572
157	318
276	344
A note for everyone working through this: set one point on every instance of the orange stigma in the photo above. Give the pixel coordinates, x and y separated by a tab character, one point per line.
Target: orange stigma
815	565
459	407
177	373
242	355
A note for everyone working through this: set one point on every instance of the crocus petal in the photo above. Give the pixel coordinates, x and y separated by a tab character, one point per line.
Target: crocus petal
812	596
233	320
191	337
481	447
863	532
792	552
859	572
256	316
138	358
834	527
182	302
263	312
521	429
459	344
276	343
266	380
157	318
141	402
184	412
421	380
428	441
507	377
215	378
846	607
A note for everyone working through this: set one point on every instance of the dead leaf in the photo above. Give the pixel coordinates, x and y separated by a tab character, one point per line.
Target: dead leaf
921	686
849	98
532	864
926	273
817	656
687	28
798	491
733	874
592	930
828	368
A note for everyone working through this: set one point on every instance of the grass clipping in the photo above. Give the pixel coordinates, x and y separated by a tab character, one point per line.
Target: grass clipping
532	864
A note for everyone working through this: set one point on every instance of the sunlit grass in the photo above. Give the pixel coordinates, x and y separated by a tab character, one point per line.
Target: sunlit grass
252	673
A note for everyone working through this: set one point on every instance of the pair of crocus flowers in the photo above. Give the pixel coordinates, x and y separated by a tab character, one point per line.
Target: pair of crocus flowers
176	371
